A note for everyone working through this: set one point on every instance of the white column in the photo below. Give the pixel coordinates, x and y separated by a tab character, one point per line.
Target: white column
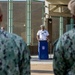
28	24
60	23
10	16
46	9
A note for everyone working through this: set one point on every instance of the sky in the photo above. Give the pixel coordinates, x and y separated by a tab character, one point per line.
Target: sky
19	0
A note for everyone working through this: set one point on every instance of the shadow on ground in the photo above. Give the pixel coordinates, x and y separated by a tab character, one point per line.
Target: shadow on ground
36	59
41	71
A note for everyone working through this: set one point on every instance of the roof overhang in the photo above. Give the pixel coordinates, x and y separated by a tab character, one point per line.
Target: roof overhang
58	1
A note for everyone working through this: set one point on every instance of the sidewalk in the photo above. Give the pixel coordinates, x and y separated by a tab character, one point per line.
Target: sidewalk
41	67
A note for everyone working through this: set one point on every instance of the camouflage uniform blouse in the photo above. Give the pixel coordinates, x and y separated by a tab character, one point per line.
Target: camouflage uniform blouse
64	55
14	55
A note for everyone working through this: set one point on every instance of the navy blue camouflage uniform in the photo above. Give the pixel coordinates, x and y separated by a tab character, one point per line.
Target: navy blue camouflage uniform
64	54
14	55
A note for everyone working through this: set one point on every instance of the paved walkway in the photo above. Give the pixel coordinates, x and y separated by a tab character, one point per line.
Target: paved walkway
41	67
